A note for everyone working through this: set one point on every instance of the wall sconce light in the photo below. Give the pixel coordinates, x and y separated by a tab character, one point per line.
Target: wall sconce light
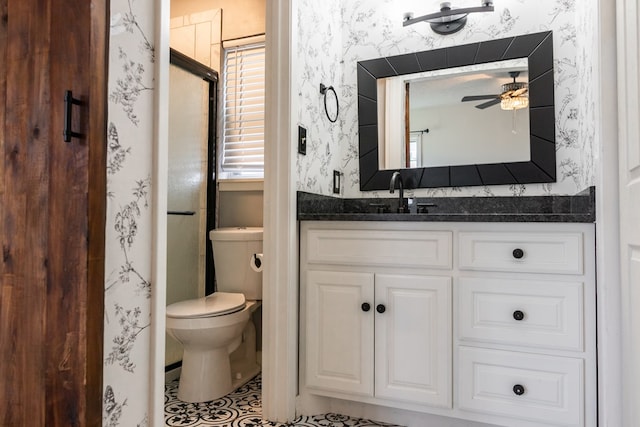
448	20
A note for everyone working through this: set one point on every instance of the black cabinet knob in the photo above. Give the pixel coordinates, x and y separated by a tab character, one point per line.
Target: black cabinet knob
518	315
518	390
518	253
381	308
366	306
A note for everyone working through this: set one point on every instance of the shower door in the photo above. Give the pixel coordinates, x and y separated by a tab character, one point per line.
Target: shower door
191	197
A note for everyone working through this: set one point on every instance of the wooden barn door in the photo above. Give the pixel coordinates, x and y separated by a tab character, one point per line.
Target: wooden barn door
52	208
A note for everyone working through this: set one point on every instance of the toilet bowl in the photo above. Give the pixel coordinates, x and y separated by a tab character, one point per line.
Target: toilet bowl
216	331
208	340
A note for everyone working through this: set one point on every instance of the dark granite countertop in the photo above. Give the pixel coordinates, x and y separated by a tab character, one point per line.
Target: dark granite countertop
577	208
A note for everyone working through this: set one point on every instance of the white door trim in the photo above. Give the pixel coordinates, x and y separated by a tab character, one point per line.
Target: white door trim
608	223
280	275
628	42
159	208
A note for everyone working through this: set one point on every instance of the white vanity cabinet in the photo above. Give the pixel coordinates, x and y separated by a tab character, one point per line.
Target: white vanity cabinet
372	333
487	322
361	326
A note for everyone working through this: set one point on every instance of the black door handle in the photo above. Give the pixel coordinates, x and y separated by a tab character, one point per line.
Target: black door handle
187	213
69	102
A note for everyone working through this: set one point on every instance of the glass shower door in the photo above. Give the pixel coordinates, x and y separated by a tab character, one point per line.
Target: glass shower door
187	191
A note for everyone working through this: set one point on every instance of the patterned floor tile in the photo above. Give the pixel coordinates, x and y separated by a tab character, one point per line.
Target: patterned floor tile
242	408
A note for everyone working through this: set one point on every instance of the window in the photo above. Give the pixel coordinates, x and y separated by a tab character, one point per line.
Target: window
243	111
415	151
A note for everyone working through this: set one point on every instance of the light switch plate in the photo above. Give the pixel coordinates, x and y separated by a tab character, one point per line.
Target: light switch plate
302	140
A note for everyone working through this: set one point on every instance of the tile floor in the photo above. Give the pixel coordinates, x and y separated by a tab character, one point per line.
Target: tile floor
242	408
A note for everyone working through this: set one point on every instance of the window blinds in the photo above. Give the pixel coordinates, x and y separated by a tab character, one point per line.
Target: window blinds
243	111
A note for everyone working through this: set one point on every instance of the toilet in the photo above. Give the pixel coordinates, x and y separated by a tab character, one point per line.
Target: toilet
216	331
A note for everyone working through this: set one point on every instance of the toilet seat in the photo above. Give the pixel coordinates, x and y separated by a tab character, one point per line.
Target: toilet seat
216	304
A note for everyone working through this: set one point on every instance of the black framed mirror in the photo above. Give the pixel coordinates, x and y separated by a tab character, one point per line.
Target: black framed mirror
540	167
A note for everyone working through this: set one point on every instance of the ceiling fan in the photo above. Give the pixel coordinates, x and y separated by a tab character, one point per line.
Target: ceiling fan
513	96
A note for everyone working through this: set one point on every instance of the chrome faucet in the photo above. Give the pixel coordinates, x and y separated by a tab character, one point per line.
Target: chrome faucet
397	178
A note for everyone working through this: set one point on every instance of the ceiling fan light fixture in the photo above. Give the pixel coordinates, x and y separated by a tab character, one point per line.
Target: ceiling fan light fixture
509	88
514	96
514	103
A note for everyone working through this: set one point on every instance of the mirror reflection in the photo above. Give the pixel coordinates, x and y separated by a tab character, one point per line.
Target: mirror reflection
476	114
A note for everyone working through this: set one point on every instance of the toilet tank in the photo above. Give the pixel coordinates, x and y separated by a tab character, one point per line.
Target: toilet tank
233	249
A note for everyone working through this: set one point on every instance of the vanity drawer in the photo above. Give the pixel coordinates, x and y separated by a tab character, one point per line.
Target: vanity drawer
531	252
522	312
426	249
535	388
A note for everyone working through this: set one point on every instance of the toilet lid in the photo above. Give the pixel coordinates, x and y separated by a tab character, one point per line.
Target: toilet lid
216	304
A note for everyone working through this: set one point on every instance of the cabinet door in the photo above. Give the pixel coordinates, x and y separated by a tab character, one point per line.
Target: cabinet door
339	333
413	339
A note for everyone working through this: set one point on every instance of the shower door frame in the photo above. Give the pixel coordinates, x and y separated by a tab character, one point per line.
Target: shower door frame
211	76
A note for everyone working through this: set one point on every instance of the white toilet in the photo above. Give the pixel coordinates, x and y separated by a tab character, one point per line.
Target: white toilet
218	337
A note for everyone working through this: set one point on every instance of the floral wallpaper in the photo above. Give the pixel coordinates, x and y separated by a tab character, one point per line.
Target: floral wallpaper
128	228
373	28
323	49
